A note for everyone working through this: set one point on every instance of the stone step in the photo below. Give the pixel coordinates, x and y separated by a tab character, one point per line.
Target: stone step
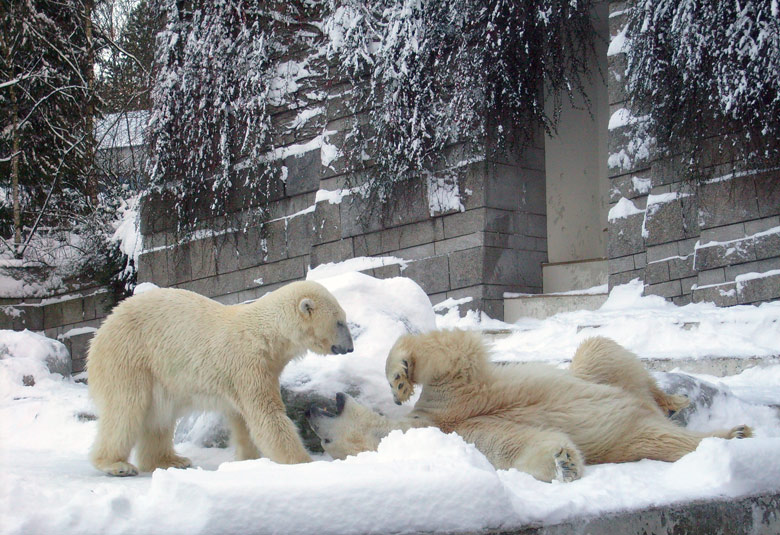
750	515
715	365
542	306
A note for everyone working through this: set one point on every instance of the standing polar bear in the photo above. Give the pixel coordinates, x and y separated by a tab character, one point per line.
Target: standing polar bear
165	351
534	417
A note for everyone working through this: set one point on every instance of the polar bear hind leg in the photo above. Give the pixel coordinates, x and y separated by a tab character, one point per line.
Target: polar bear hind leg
604	361
663	440
122	415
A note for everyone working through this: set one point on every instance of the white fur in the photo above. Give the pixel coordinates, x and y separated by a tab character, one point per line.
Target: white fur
533	417
164	352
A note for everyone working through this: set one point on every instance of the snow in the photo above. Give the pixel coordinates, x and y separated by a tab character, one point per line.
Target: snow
420	480
359	263
642	185
622	209
443	195
618	44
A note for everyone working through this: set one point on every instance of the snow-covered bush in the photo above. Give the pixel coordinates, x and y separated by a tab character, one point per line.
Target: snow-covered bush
704	68
430	73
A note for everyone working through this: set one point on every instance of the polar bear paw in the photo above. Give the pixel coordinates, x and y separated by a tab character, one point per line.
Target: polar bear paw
176	461
399	382
741	431
121	469
567	465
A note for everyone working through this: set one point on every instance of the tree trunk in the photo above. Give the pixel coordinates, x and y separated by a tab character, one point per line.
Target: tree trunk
92	185
15	176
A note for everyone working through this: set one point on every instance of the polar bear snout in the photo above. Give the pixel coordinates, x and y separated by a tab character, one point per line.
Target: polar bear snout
343	343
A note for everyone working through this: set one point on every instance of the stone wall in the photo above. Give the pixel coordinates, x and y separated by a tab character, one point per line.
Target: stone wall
716	239
72	318
477	231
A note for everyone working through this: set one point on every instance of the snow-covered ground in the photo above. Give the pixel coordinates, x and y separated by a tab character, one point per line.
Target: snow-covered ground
421	480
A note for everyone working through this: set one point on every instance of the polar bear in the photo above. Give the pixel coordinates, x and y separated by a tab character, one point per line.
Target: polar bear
166	351
542	420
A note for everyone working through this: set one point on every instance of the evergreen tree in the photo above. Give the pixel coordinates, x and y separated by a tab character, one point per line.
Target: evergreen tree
47	104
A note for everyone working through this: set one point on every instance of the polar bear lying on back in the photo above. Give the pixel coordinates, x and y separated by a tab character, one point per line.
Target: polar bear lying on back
163	352
539	419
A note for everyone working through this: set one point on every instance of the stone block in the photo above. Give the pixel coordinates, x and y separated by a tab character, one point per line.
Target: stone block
249	246
466	267
656	272
505	221
687	285
179	264
336	251
408	204
432	274
203	258
759	289
226	253
104	304
472	185
52	315
726	233
662	252
72	310
355	217
274	244
303	172
367	244
682	300
711	276
228	283
667	171
537	225
766	245
640	260
415	253
459	243
389	240
529	268
671	221
462	223
625	236
416	234
387	272
724	295
681	267
768	193
503	266
153	267
761	225
300	234
665	289
619	265
719	255
625	277
78	346
726	202
503	186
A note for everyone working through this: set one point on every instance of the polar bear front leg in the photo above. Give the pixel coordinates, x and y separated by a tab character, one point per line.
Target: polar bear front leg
399	376
270	428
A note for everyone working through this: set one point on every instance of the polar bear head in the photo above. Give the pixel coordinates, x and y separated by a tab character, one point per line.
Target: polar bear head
309	315
348	428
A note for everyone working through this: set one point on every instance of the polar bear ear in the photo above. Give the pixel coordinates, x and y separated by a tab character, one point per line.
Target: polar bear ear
306	306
